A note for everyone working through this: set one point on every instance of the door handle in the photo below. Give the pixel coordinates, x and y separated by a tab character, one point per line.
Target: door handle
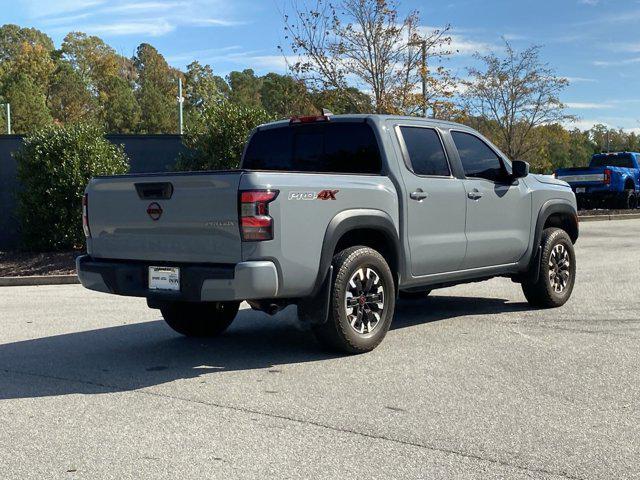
418	195
475	195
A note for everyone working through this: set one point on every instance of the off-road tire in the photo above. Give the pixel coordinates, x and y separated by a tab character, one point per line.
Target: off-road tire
338	333
200	319
543	293
414	295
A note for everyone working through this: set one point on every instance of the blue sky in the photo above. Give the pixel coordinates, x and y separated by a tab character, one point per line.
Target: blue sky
594	43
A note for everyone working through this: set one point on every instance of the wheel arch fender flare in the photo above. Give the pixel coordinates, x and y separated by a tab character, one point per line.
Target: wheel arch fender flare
549	208
352	220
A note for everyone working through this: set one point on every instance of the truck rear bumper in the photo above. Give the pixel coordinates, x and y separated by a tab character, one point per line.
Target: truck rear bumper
198	283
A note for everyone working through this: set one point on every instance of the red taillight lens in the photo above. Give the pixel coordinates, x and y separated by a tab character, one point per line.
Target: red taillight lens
255	223
309	119
607	177
85	215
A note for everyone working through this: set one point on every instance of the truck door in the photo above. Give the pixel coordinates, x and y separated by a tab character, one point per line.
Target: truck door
434	200
498	225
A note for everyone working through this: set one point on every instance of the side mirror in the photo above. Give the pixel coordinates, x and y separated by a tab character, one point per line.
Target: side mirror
520	169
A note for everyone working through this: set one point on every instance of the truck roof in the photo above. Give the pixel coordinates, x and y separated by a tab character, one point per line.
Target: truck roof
377	118
610	154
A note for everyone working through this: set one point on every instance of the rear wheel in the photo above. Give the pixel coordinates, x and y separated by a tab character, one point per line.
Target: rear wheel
200	319
362	302
557	271
627	200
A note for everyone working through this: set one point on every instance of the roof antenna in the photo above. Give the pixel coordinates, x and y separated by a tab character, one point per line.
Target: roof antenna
326	112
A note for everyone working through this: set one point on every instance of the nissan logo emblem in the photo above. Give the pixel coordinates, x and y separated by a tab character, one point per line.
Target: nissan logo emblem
154	210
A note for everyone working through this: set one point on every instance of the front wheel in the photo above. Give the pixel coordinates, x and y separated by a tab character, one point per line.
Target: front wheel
557	271
200	319
362	302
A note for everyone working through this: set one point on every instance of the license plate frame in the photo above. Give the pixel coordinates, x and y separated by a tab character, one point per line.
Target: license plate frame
581	190
164	279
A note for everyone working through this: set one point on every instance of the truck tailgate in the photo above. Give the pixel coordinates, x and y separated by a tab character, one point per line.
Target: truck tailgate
576	176
190	217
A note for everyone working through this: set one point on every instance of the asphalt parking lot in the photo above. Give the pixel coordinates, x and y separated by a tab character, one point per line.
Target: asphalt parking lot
470	383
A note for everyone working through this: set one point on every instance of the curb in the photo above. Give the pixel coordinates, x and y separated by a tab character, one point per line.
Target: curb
38	280
604	218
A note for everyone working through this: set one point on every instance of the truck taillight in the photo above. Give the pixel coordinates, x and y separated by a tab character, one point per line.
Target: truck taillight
255	223
85	215
607	176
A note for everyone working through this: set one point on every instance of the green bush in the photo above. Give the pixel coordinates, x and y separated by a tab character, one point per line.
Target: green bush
54	166
218	135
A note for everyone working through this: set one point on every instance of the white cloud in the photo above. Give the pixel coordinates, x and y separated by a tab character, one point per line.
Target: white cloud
144	18
152	28
616	63
580	80
461	43
466	46
633	47
45	8
591	3
588	106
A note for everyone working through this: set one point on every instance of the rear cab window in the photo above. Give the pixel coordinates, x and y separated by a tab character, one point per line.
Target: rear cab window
623	160
425	151
324	147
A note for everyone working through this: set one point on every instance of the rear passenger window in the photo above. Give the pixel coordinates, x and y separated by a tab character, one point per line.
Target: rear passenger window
478	160
425	150
340	147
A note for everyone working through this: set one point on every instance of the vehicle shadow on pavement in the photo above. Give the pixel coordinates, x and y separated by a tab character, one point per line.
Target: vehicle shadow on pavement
138	355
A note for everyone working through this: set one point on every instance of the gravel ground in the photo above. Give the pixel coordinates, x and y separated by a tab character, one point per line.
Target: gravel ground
20	264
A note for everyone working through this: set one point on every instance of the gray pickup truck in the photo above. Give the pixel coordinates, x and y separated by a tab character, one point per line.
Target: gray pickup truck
339	215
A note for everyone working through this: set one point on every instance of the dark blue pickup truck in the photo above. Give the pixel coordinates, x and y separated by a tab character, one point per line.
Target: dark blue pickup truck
612	180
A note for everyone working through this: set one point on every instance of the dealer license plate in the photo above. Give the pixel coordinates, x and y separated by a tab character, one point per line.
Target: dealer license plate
581	189
164	278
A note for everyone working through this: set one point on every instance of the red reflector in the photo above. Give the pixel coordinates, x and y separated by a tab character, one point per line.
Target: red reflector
85	215
257	221
607	177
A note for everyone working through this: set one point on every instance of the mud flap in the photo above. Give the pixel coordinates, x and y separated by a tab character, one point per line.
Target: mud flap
315	310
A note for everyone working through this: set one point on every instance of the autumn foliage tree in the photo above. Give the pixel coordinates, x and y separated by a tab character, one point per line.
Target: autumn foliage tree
516	93
367	44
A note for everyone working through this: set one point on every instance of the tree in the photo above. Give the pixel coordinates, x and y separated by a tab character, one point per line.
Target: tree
54	166
218	141
12	38
350	100
29	109
157	91
245	88
68	98
121	112
283	96
365	44
519	93
201	86
108	77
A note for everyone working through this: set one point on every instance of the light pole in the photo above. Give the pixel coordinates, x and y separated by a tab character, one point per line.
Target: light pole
180	103
423	45
8	115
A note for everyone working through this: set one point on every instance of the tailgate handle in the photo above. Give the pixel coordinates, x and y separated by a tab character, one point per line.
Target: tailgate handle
154	191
